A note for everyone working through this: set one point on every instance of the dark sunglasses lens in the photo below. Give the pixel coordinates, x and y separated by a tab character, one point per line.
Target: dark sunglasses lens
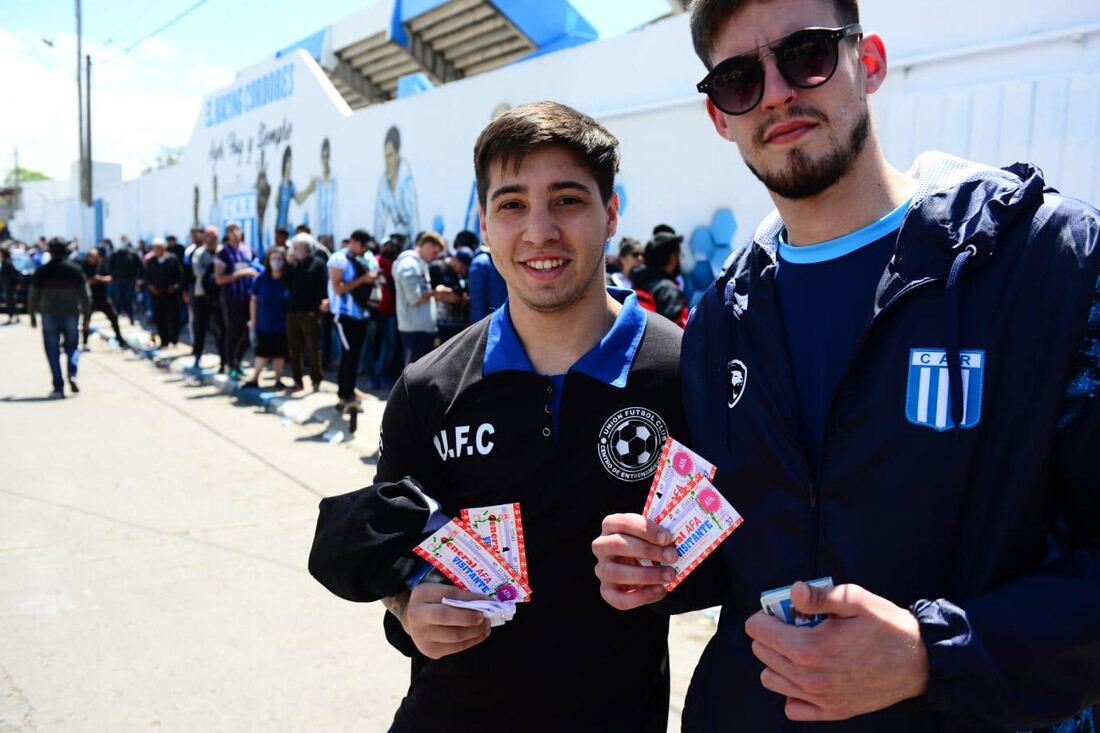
808	59
736	84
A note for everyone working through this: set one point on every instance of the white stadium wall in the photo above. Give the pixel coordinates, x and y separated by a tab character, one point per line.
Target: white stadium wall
996	82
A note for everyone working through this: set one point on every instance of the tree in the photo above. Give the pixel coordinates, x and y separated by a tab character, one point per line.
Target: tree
25	174
166	156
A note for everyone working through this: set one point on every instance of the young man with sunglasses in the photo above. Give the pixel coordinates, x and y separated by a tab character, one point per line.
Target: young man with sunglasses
559	401
898	380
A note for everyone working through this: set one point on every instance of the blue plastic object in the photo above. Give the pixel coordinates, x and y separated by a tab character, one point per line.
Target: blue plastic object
702	243
723	227
437	224
410	85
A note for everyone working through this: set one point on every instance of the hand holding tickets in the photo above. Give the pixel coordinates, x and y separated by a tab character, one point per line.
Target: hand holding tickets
641	558
778	603
489	560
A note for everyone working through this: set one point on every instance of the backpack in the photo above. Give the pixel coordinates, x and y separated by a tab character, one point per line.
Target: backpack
209	284
365	296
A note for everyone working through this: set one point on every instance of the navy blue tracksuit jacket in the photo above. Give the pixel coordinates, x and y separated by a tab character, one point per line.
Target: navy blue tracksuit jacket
986	317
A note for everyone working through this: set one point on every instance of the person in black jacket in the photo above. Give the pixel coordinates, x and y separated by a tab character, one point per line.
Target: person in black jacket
125	268
59	293
95	270
898	380
529	406
655	282
164	278
308	278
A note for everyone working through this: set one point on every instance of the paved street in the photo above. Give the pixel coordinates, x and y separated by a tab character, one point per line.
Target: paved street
153	542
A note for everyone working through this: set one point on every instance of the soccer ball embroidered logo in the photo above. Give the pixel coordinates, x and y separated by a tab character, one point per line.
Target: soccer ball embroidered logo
738	377
630	443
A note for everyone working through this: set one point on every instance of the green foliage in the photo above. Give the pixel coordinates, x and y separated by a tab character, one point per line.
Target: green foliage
25	175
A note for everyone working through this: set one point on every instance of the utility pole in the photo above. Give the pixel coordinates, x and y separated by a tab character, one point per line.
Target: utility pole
88	127
80	97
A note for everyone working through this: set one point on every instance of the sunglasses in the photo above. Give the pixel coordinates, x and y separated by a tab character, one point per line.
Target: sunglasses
807	59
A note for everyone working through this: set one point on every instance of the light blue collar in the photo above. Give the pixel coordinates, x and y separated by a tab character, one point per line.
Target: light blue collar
609	361
834	248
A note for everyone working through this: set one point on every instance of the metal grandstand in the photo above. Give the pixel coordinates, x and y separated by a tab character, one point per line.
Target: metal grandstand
395	46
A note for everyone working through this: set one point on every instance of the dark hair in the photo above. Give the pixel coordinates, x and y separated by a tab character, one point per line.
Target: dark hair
708	17
510	138
659	250
362	236
303	228
282	230
393	137
663	228
267	258
466	238
628	246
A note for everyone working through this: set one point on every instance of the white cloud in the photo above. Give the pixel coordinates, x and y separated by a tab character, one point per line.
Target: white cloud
140	101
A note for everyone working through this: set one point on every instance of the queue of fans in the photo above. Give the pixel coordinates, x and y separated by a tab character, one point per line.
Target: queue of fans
367	308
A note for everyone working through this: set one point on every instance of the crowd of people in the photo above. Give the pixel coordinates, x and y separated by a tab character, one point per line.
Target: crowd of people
368	308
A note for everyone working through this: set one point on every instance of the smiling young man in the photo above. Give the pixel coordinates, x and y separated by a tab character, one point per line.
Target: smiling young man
898	380
531	405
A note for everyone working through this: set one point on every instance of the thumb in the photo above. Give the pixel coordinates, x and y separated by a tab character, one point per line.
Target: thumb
840	601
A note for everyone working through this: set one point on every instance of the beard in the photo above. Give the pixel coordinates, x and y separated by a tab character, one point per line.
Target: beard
804	177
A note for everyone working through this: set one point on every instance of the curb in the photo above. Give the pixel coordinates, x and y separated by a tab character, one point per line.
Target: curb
300	411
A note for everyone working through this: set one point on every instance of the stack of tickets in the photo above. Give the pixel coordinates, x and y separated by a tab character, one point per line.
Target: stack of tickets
482	551
683	500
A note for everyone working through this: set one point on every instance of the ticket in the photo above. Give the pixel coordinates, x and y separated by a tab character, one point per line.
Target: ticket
469	563
501	528
699	520
678	467
498	612
778	603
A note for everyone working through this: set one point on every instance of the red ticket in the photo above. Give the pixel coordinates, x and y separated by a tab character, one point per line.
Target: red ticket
501	528
457	552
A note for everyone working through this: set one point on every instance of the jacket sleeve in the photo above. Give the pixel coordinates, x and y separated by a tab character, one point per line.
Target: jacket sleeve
84	299
34	297
479	290
669	304
1028	654
362	548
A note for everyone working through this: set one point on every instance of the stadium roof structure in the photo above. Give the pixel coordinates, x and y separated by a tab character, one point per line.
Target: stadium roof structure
399	47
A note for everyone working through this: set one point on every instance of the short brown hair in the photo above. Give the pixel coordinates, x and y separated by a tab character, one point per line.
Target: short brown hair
508	139
708	16
431	237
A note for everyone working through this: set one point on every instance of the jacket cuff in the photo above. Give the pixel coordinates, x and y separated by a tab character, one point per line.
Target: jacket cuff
947	635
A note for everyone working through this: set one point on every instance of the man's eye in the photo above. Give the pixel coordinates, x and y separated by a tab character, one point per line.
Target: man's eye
510	205
566	200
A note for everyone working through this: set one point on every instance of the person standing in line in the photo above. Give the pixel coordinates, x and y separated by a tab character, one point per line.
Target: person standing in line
96	273
268	316
352	272
416	299
307	278
233	273
205	308
124	267
60	294
382	328
10	278
630	256
164	278
487	287
656	281
448	277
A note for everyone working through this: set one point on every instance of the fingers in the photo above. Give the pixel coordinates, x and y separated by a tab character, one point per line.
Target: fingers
624	598
626	546
439	630
638	526
629	574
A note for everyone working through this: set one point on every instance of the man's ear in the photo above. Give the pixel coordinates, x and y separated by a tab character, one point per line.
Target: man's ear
718	118
612	215
872	56
481	224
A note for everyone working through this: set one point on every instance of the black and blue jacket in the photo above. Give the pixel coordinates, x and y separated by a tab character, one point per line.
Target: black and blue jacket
988	318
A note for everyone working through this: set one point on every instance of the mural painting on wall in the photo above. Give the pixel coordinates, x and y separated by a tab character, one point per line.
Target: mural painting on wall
395	208
289	192
263	193
326	221
215	217
473	221
195	210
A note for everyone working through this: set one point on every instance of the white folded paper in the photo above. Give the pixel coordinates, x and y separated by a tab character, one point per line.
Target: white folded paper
498	612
